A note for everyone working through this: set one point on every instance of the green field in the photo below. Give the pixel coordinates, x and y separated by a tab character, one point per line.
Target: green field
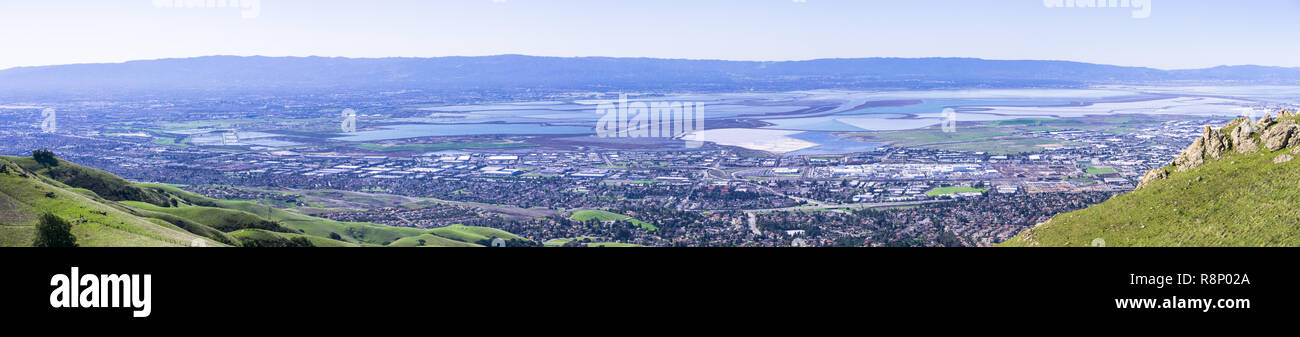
612	244
994	140
954	190
165	141
918	137
588	215
1010	145
1048	128
243	123
1032	121
1101	170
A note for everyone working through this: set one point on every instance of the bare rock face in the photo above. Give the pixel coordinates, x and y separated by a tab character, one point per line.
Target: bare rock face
1263	123
1236	122
1211	145
1283	158
1295	150
1216	143
1285	114
1241	136
1153	176
1280	136
1191	158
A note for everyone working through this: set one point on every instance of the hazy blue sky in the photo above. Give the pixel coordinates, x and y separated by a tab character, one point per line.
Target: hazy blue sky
1178	33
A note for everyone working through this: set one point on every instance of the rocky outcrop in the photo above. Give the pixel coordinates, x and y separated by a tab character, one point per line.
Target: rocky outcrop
1191	158
1153	176
1216	143
1263	123
1283	158
1212	145
1239	136
1283	135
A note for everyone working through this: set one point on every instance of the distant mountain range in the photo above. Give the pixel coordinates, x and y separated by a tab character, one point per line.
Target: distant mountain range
230	74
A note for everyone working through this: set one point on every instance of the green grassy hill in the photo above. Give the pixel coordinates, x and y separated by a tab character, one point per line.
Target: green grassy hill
473	234
104	184
160	215
1231	188
430	240
456	236
360	233
265	238
25	196
225	220
188	226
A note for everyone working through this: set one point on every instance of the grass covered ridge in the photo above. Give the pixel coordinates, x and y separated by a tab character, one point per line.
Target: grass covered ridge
161	215
1239	200
96	221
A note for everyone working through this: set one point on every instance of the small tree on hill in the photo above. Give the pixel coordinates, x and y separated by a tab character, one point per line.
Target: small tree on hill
45	157
53	231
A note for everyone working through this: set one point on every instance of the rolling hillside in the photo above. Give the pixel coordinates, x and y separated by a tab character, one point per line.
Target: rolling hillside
1236	186
106	210
25	196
